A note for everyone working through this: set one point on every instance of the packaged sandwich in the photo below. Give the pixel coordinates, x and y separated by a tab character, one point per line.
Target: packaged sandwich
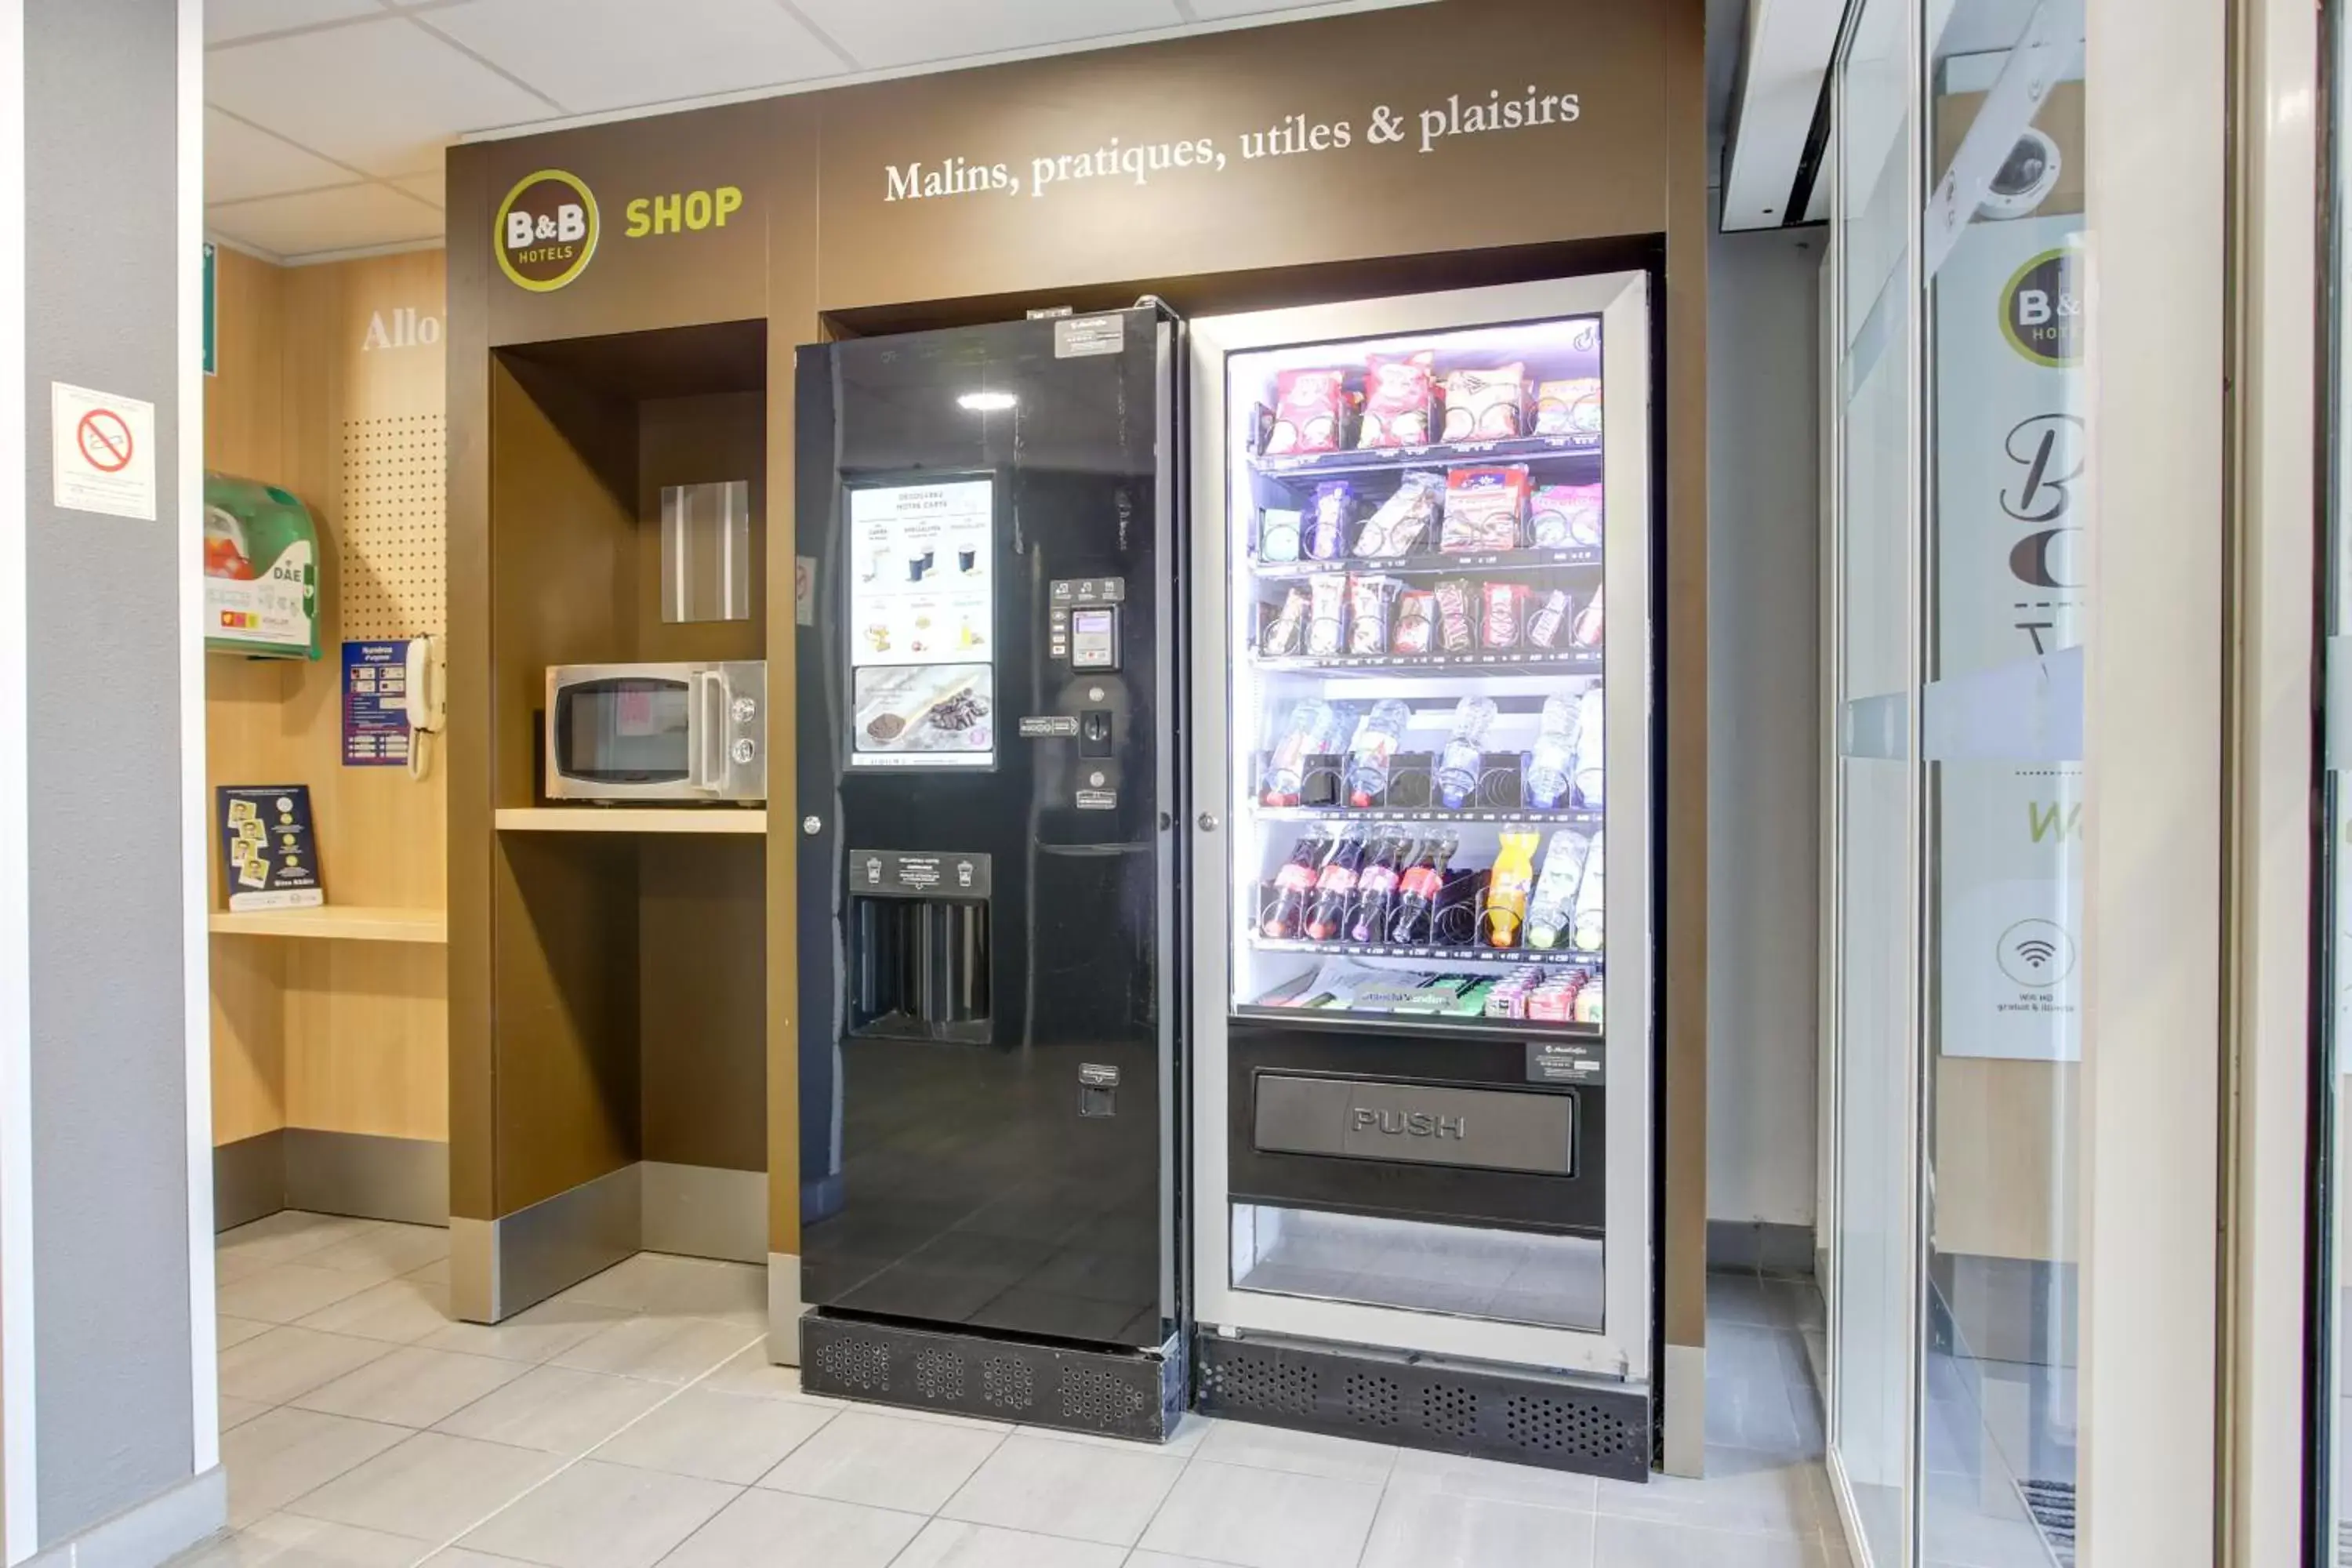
1284	634
1327	614
1401	524
1368	599
1570	408
1559	516
1486	404
1454	627
1309	408
1329	518
1400	401
1485	509
1416	622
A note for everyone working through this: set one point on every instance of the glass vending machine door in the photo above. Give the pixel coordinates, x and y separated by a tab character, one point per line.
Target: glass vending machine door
1417	1126
1416	554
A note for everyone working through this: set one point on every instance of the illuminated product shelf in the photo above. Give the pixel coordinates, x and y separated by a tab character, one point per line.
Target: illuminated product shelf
1566	958
1580	558
338	923
1375	816
1434	663
1414	1024
1381	460
631	819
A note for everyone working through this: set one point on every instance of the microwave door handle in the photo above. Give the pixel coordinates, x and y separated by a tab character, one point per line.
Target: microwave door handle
710	720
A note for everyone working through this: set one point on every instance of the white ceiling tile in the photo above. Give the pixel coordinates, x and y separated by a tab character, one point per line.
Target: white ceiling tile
884	33
240	161
227	19
326	220
613	54
384	96
433	187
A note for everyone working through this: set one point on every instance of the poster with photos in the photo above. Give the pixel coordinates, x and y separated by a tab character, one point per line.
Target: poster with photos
269	857
922	624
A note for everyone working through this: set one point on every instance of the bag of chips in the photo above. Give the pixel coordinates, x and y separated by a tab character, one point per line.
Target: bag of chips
1570	408
1329	518
1486	404
1560	516
1485	509
1327	614
1309	408
1400	401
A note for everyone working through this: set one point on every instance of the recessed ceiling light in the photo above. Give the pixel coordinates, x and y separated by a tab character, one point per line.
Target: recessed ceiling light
987	401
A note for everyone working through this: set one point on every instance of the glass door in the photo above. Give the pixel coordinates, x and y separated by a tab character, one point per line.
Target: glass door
1425	671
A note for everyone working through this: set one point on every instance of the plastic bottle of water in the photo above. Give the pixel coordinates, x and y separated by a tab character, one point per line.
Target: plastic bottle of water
1555	753
1463	762
1376	743
1312	725
1554	905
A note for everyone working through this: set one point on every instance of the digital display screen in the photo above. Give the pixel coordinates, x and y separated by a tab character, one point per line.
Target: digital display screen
922	625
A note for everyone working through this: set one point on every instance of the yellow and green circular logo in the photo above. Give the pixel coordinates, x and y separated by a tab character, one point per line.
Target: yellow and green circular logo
546	230
2041	309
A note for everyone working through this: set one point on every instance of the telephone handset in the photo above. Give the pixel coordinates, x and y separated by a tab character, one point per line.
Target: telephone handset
427	702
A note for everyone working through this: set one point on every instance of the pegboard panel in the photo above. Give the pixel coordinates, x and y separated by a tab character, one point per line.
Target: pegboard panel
393	548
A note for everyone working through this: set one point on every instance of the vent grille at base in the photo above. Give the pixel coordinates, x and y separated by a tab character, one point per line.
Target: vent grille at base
1527	1417
1120	1393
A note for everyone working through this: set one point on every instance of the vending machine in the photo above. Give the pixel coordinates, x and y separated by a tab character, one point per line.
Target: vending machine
1420	871
987	838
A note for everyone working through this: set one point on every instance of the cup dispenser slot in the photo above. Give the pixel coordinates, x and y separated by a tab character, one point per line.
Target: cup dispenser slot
918	967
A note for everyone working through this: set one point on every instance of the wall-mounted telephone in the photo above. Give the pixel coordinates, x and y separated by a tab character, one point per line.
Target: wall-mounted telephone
425	698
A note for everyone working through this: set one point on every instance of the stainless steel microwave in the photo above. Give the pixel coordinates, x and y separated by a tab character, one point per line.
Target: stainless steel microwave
657	732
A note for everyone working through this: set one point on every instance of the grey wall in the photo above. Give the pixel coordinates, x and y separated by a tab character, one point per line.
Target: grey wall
1763	711
114	1417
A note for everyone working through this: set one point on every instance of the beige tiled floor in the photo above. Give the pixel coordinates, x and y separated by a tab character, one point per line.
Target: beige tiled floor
635	1421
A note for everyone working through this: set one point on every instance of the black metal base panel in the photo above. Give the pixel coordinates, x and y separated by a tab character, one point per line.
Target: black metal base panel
1120	1395
1522	1415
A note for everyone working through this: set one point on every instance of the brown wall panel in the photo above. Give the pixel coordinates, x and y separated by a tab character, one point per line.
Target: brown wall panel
1603	174
468	748
563	569
565	912
1682	977
696	440
703	996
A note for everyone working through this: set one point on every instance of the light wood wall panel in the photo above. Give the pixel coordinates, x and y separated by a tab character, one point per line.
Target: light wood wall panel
332	384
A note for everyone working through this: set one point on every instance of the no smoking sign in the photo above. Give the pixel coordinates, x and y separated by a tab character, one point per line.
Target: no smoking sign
102	452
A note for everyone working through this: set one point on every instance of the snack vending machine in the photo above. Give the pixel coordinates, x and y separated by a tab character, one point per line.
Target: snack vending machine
1421	863
987	839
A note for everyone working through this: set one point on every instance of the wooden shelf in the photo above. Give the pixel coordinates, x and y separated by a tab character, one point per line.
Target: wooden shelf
338	923
631	819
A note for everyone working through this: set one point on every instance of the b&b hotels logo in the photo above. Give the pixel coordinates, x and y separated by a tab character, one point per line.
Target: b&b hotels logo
547	230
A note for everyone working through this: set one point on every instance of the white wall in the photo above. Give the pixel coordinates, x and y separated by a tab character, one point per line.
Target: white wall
1763	712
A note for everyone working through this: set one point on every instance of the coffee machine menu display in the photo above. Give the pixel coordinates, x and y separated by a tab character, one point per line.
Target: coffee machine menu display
922	624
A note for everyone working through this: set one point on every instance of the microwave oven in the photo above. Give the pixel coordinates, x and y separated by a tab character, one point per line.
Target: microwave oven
657	732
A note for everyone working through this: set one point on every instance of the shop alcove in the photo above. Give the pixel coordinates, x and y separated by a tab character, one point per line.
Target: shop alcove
627	1047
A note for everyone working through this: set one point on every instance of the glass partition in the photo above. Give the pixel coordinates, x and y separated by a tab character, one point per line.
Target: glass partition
1960	591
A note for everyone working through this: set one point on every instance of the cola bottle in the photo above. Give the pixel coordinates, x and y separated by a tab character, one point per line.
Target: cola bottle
1376	888
1417	890
1287	915
1335	887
